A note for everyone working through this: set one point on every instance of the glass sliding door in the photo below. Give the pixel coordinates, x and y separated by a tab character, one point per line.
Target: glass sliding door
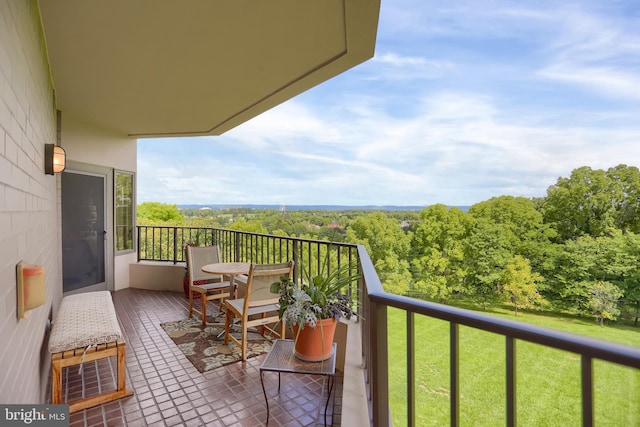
124	212
84	232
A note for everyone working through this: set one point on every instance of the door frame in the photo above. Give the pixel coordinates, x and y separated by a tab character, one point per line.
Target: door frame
107	174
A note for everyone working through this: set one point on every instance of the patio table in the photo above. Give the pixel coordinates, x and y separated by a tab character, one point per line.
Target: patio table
230	269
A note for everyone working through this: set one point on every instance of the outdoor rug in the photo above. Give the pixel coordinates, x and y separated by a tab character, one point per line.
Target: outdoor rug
204	349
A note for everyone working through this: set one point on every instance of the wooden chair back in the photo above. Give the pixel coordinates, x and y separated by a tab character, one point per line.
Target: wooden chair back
261	276
199	256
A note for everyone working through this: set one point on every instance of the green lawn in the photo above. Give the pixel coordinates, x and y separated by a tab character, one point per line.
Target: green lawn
548	380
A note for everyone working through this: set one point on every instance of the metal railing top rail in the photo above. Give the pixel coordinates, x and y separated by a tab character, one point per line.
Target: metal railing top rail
375	335
597	348
251	233
166	243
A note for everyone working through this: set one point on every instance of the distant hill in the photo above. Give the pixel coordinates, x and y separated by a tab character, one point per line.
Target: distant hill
315	207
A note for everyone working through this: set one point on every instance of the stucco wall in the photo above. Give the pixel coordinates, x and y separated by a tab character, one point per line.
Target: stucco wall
86	143
157	276
121	274
29	226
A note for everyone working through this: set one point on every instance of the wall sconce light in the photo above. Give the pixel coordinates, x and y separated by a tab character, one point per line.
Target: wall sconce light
55	159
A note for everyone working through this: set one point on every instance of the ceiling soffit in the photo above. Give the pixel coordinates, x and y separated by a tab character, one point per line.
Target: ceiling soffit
164	68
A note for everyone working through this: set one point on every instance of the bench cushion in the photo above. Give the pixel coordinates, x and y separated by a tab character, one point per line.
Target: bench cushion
83	320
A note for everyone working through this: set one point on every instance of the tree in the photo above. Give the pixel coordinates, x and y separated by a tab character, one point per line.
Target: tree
580	205
577	270
603	301
388	247
438	251
487	253
520	284
517	213
202	222
594	202
155	211
394	275
630	283
524	226
625	190
588	260
253	226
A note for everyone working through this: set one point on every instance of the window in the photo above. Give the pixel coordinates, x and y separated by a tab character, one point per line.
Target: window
124	204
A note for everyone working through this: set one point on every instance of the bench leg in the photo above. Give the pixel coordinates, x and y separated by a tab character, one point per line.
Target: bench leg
108	396
58	362
122	376
56	380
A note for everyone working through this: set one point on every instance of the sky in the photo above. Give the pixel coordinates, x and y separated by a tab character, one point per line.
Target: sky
464	100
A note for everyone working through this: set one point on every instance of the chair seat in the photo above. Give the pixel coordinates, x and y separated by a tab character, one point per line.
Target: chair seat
208	287
238	304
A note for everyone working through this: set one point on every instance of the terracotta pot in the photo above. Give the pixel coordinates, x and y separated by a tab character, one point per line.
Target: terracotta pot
315	344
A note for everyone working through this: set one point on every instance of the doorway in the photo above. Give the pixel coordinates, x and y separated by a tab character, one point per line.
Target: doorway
86	252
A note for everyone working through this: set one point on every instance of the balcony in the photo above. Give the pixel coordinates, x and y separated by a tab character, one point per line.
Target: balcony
168	390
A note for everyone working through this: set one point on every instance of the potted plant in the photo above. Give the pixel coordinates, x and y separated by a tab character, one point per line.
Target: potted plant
313	306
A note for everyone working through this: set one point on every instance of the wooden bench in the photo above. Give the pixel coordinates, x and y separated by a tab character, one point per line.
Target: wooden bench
86	329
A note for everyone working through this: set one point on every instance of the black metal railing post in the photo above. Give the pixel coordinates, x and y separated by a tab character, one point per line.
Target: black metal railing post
411	369
511	382
175	245
454	373
236	255
587	391
139	231
296	262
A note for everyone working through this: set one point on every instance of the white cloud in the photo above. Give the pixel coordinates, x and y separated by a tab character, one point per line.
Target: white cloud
393	66
289	120
463	102
595	52
607	81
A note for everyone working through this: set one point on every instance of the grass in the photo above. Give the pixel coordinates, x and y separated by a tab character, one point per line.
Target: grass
548	380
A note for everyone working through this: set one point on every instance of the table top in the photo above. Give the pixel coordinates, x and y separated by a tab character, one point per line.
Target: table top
227	268
282	359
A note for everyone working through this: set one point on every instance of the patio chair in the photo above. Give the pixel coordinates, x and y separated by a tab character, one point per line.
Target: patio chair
208	286
259	307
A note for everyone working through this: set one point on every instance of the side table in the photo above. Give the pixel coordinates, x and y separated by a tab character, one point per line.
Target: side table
281	359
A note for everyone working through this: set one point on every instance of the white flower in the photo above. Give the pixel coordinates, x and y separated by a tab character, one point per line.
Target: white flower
300	296
301	310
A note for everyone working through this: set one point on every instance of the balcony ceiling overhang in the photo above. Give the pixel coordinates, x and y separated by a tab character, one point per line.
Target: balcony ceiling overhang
153	68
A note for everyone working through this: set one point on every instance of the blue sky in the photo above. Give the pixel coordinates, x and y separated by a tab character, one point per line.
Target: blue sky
464	100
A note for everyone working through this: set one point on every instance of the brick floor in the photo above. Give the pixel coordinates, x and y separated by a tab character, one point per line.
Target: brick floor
169	391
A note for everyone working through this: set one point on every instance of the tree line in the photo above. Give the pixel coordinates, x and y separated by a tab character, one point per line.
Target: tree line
576	249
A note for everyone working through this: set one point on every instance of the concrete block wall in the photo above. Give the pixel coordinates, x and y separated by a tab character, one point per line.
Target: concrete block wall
29	203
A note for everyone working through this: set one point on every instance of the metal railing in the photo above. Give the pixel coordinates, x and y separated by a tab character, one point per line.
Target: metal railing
374	325
167	244
162	243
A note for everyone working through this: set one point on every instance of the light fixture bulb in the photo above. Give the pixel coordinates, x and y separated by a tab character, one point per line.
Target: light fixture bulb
55	159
